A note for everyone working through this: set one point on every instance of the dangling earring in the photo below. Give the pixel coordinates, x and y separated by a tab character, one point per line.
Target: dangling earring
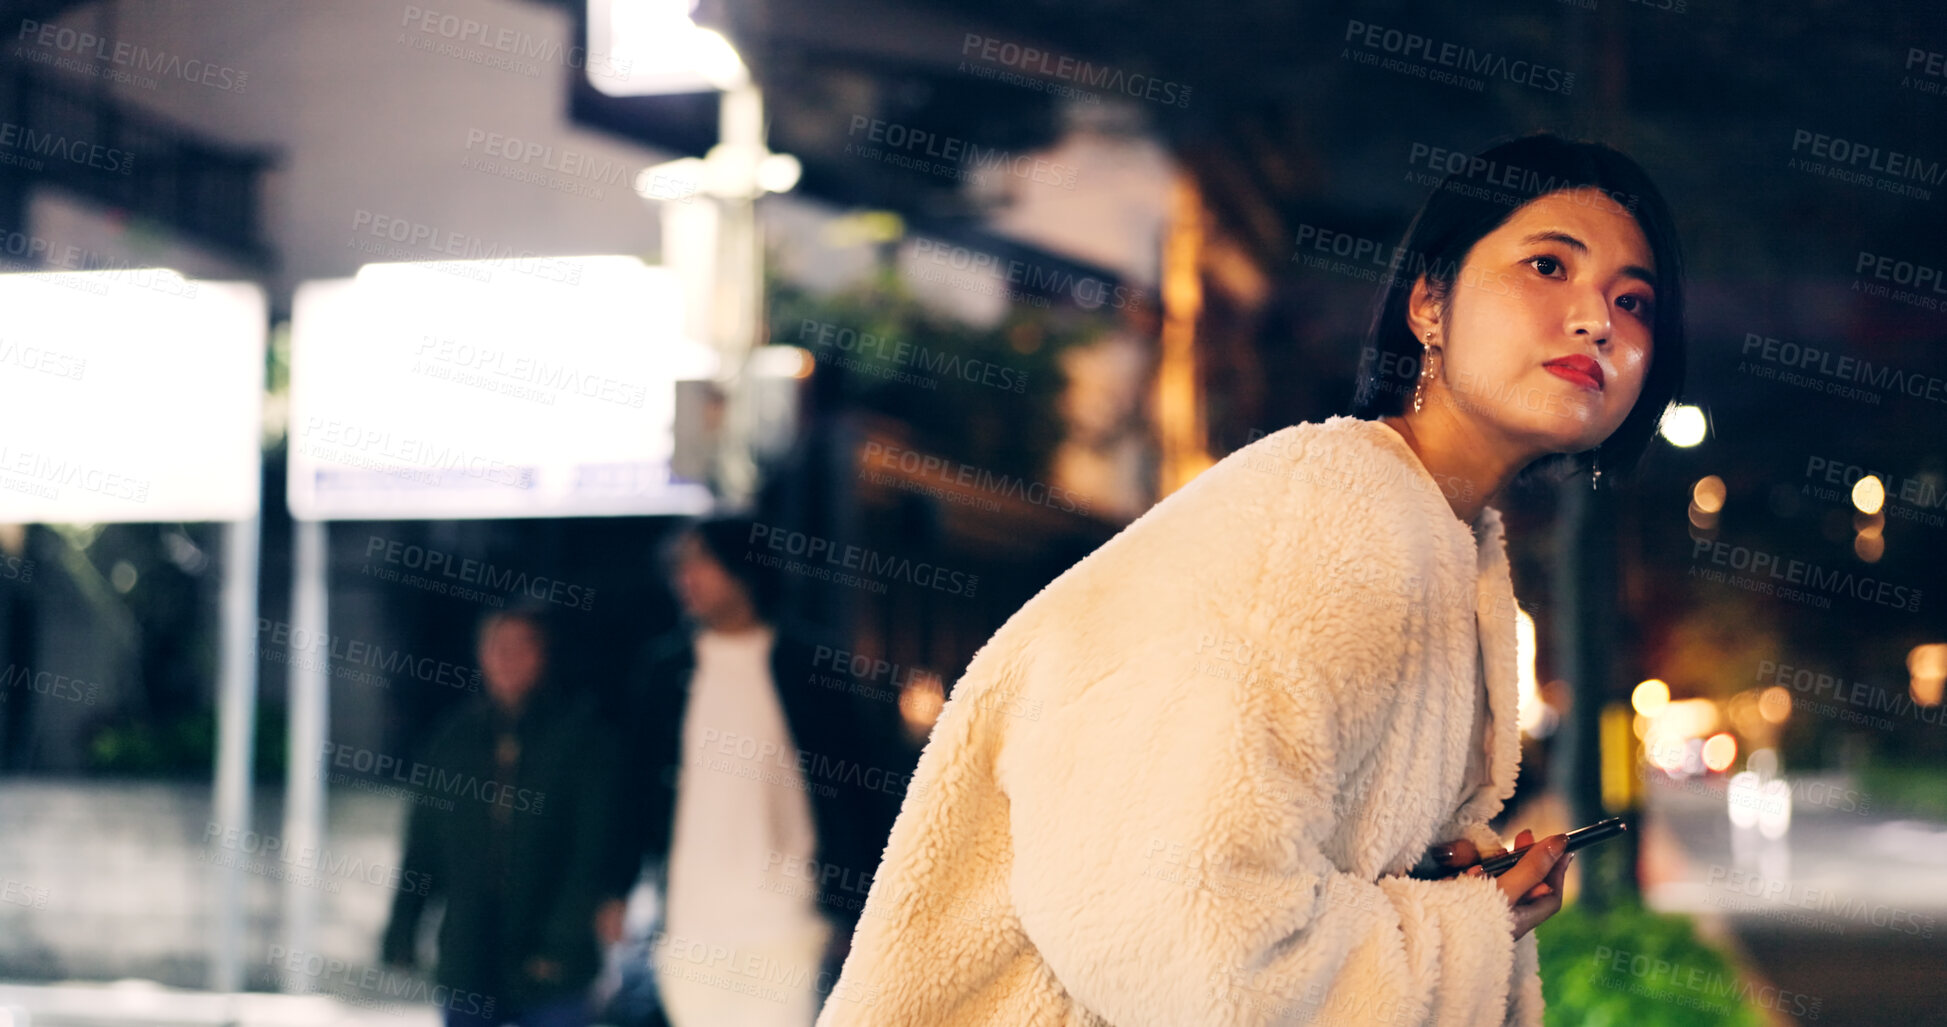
1596	478
1419	387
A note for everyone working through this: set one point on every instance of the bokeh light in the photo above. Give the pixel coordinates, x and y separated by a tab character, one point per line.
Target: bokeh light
1708	493
1683	426
1775	704
1720	751
1869	494
1928	666
1650	697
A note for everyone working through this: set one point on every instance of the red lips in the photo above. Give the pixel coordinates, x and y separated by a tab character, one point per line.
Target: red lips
1583	370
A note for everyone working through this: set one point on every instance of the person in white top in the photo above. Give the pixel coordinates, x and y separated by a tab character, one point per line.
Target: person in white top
738	813
766	850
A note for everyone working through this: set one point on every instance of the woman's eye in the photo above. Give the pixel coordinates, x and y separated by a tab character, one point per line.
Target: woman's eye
1546	265
1635	305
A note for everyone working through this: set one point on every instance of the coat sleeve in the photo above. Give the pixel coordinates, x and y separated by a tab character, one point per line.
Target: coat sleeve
415	889
587	817
422	876
642	789
1524	999
1169	834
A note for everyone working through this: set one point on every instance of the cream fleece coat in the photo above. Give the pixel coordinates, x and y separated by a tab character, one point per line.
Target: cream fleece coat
1180	786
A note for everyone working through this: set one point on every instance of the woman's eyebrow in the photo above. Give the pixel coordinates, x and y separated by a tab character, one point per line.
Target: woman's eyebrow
1636	271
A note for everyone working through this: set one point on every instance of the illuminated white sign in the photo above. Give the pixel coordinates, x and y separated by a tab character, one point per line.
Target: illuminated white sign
543	387
129	395
651	47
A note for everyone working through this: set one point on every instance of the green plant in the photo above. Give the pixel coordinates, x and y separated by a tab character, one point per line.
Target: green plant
182	746
1628	966
1905	789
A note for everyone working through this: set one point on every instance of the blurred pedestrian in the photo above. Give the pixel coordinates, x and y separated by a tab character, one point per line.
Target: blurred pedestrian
511	830
756	798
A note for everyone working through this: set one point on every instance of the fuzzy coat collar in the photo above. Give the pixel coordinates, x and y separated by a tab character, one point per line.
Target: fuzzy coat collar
1496	612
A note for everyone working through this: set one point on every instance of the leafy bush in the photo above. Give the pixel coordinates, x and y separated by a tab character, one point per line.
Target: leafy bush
1906	789
1667	975
182	746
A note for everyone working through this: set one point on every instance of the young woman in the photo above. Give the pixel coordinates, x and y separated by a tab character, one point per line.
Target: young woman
1288	683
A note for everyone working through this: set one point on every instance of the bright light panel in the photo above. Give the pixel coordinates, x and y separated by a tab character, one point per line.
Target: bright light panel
428	390
653	48
130	395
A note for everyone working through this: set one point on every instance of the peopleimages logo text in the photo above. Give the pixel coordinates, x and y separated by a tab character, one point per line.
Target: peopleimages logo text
1813	685
1873	158
479	572
1088	291
867	561
1414	46
368	654
46	361
55	146
1841	368
513	43
958	151
925	466
900	351
1473	172
1069	69
418	235
429	778
62	471
1798	572
521	367
48	683
312	857
88	46
377	988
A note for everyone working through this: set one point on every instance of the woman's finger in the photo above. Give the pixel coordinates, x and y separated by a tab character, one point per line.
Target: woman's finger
1560	871
1535	867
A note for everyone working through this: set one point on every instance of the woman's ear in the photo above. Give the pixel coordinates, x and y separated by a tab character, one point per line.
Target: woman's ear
1423	310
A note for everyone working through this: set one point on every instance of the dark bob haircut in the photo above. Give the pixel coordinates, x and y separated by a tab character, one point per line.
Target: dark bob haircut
1478	198
725	538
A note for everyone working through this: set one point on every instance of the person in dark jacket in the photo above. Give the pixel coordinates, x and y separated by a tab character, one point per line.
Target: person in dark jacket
511	828
757	798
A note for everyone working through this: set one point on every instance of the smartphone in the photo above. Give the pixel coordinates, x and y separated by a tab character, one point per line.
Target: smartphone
1580	838
1495	866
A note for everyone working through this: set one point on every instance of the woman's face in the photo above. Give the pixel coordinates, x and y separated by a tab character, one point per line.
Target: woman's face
1547	335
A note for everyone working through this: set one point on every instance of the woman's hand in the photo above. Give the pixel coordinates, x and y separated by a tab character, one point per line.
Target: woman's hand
1533	887
1460	854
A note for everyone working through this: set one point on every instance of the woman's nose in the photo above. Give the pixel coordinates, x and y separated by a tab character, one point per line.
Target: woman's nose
1590	316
